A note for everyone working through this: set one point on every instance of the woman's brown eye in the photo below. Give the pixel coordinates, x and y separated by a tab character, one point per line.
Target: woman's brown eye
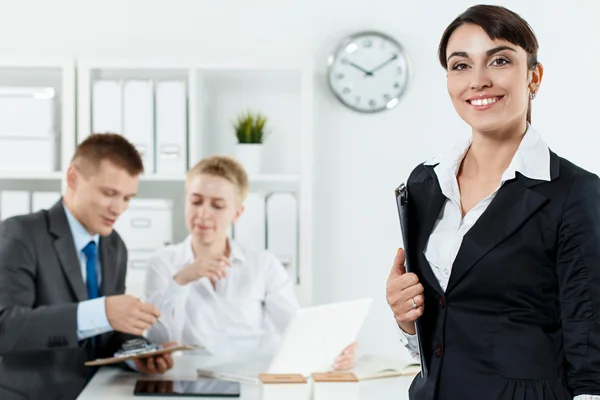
501	61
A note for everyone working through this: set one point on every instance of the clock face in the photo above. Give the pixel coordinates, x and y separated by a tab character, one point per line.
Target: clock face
368	72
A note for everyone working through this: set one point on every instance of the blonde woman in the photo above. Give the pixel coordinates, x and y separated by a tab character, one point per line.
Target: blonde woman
211	290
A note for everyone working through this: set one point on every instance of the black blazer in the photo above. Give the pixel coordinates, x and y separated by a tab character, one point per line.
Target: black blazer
520	318
40	286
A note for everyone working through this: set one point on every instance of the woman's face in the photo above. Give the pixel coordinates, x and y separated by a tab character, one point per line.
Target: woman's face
488	80
211	206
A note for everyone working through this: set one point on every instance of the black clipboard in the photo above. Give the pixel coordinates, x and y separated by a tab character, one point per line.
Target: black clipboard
402	204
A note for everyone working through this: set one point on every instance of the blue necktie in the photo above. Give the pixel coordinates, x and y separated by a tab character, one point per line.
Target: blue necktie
92	288
90	267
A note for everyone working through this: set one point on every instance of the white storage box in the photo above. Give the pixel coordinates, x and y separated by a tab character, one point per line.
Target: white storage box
27	131
147	225
137	266
35	155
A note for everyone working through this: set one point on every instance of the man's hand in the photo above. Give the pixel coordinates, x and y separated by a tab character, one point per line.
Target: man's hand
345	360
130	315
156	364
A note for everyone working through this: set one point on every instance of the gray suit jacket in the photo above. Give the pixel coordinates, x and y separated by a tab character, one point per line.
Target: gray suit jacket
40	287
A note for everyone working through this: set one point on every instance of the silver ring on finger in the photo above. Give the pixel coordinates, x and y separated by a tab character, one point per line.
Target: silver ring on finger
414	305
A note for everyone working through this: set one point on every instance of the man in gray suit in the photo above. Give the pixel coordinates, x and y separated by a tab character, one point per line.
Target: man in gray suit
62	279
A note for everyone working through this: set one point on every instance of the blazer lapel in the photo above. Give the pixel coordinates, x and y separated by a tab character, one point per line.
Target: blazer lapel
108	260
64	245
430	200
513	205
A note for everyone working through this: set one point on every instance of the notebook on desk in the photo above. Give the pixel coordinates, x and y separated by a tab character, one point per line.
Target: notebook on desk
311	343
371	366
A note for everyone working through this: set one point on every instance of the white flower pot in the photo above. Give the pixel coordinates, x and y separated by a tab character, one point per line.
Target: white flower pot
250	156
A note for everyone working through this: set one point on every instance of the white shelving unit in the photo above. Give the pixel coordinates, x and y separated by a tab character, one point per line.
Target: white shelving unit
58	74
216	94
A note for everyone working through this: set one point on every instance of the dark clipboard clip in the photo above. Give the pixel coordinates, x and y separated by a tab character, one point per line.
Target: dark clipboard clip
402	203
401	195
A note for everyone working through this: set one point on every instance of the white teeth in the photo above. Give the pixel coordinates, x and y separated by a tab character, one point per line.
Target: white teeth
484	102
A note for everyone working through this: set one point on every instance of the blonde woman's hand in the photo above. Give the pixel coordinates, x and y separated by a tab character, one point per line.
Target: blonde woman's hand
211	267
345	360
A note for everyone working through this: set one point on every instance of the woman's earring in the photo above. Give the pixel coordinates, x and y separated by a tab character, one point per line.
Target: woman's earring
532	95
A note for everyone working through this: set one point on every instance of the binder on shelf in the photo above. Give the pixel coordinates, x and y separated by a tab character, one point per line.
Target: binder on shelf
13	202
107	106
138	119
249	230
171	127
282	227
43	200
27	128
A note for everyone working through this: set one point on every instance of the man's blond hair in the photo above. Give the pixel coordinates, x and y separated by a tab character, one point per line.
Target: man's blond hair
224	167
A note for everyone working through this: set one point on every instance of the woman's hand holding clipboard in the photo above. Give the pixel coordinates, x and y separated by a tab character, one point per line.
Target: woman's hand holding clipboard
404	292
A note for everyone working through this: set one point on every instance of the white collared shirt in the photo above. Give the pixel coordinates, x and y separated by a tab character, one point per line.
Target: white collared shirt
532	159
450	228
234	319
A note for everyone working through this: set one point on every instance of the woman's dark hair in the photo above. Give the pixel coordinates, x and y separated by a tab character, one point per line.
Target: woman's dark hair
499	23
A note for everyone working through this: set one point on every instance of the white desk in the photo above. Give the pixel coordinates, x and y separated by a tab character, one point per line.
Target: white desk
116	384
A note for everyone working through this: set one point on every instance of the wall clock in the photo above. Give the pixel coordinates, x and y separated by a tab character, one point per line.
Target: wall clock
368	71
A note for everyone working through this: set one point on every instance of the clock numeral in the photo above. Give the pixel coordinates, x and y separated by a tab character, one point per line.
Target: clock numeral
345	61
386	97
346	90
372	103
399	70
367	43
357	99
397	85
340	76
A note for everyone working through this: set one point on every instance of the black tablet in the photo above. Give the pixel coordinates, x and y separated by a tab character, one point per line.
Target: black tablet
198	388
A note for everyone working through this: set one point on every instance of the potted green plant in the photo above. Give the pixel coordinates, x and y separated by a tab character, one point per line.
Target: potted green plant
250	132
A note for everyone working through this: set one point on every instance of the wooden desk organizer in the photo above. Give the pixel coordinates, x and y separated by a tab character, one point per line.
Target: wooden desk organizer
284	386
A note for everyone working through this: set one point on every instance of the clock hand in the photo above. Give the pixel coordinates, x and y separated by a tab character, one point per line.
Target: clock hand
367	73
384	64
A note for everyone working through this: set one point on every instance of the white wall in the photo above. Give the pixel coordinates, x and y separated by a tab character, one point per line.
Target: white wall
358	157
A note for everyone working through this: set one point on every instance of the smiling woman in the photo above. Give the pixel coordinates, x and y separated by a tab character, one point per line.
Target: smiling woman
504	249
